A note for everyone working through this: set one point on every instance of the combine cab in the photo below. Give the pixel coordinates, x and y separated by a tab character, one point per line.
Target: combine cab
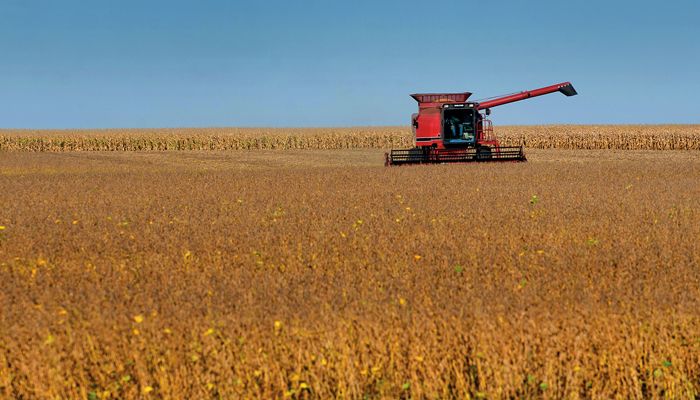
448	128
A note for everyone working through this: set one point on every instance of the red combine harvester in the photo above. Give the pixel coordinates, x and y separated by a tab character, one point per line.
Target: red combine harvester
448	128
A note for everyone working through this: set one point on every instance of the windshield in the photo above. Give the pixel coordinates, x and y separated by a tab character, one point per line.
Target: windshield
459	124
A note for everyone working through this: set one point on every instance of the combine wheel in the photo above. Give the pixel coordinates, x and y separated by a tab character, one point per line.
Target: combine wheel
483	153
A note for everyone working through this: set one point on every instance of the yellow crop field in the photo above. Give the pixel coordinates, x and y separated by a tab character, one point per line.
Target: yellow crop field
205	139
322	274
626	137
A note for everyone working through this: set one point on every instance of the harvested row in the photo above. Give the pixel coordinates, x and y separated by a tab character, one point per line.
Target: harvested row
623	137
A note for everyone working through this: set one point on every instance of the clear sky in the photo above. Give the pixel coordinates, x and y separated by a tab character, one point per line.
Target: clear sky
152	63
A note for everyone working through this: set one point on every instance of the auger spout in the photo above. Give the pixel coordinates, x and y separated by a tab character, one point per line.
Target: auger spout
566	88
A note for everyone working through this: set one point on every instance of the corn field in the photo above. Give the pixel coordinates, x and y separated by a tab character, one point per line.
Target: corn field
204	139
623	137
592	137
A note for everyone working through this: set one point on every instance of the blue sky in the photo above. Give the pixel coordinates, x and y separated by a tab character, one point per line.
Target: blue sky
149	63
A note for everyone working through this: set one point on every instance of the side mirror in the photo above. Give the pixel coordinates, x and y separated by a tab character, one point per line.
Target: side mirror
488	111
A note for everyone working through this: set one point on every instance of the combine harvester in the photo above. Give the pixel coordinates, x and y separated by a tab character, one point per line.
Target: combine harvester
448	128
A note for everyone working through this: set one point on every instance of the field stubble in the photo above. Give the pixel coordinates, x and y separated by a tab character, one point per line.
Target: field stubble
217	274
